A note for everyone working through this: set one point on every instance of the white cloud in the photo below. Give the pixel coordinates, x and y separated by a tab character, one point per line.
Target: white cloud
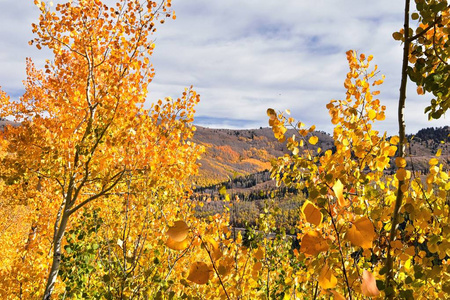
246	56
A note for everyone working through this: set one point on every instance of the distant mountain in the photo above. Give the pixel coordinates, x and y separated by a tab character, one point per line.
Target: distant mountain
434	134
240	153
233	153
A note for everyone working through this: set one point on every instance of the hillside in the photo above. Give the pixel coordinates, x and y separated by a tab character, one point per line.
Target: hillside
233	153
240	153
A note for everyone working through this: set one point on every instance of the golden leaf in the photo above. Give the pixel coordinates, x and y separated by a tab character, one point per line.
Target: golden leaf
326	278
199	273
312	243
433	161
313	140
179	231
337	295
400	162
311	213
372	114
338	189
361	233
394	140
369	285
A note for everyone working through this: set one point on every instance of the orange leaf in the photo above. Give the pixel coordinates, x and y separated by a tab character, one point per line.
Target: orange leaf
257	266
172	244
400	162
326	278
369	285
271	112
420	90
361	233
179	231
199	273
312	213
259	254
312	243
401	174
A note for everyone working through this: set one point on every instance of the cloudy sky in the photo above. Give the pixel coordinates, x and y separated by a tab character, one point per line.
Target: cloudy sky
244	56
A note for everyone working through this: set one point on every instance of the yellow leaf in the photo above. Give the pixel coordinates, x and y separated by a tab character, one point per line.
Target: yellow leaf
313	140
179	231
199	273
311	213
172	244
439	152
372	114
312	243
326	278
216	253
433	161
338	189
369	285
394	140
222	190
361	233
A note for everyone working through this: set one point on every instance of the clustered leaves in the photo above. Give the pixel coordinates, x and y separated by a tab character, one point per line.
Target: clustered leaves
346	220
429	53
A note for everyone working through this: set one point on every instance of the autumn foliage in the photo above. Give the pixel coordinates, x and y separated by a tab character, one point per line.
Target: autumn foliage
95	187
86	146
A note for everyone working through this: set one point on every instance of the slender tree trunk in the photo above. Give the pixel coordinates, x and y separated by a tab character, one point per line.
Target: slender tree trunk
401	153
56	255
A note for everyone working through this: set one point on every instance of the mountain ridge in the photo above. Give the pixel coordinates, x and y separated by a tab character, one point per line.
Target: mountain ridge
232	153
